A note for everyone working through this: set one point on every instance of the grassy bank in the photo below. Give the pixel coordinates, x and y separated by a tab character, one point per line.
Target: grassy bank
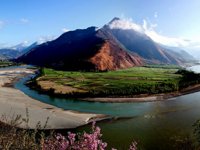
121	83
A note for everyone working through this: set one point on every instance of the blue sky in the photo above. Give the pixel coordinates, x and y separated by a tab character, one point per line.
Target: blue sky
30	20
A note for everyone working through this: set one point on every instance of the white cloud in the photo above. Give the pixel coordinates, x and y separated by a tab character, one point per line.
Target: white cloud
149	29
25	43
44	39
190	45
170	41
144	24
125	24
24	20
65	30
148	26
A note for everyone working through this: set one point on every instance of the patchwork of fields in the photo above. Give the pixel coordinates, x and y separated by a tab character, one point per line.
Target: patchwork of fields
129	82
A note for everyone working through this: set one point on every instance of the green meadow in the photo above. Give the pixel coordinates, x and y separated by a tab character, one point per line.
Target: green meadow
128	82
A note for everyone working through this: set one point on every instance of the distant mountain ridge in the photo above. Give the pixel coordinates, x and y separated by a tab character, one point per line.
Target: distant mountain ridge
13	52
9	54
107	48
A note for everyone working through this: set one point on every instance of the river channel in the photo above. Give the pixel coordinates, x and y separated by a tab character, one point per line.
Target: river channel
154	125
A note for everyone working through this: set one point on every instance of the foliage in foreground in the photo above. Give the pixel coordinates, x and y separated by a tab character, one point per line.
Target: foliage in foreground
12	138
86	141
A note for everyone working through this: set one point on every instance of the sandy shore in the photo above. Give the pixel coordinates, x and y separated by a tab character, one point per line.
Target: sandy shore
14	102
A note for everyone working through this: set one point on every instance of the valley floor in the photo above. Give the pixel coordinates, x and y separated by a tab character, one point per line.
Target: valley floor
15	103
138	84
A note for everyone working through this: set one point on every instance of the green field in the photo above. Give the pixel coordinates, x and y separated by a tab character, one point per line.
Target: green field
129	82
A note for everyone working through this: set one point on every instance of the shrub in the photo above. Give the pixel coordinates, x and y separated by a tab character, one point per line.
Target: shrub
85	141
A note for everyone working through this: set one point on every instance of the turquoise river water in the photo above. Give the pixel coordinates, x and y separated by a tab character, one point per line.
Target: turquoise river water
154	125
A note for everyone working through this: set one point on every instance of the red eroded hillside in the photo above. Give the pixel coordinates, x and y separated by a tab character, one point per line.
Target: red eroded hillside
112	57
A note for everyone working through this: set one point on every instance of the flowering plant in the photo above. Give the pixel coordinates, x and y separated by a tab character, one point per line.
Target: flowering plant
86	141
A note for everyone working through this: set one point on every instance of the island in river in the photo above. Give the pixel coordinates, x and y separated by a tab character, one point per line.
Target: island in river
137	84
114	86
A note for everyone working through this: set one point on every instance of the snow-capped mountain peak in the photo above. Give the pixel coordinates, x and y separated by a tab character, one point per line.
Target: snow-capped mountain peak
20	47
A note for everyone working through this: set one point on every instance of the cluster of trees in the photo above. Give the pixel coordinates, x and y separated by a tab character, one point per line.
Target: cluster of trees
188	78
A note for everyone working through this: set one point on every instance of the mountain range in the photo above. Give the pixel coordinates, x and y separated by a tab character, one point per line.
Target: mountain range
108	48
86	49
14	52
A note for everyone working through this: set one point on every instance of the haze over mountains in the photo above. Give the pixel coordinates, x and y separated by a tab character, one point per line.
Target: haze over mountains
12	52
108	48
134	39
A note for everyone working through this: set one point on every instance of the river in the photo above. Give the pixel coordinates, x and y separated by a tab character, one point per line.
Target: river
154	125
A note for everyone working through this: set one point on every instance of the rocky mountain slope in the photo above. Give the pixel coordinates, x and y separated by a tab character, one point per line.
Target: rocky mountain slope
86	49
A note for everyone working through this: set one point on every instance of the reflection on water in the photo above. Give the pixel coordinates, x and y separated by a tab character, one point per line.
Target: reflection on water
153	124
